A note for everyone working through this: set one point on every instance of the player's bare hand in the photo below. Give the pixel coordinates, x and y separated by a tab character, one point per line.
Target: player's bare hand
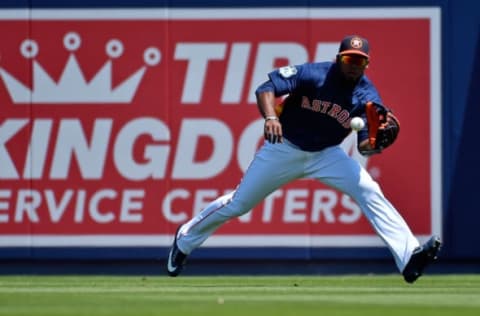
273	131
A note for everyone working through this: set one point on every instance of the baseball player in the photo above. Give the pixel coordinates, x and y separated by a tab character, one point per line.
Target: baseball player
302	141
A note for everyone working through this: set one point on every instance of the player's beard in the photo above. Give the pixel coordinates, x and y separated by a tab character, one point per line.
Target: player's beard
350	80
350	74
353	75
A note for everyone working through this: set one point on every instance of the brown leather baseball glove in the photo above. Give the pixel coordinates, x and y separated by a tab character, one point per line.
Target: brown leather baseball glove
383	127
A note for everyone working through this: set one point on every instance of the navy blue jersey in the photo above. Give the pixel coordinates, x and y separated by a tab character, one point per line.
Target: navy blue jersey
320	104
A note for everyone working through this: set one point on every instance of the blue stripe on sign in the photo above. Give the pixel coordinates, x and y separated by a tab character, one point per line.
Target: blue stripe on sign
206	253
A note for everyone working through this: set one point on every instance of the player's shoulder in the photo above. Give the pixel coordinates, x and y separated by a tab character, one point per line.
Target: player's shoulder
366	83
305	68
309	72
315	70
366	90
317	67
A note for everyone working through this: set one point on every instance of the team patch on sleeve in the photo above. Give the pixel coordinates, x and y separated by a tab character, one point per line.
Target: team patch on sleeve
287	71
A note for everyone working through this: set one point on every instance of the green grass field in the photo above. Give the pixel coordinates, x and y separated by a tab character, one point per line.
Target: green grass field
385	295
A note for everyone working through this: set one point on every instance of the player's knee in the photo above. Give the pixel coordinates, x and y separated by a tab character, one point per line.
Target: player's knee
366	192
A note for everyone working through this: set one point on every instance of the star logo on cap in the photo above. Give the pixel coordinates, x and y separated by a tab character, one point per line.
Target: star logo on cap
356	43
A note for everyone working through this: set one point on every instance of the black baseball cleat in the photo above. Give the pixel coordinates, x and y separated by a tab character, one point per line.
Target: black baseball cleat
176	259
421	257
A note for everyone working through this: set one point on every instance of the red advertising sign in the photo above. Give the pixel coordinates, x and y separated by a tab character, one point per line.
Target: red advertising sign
117	126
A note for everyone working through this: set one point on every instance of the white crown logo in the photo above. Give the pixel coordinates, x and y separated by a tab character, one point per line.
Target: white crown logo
72	86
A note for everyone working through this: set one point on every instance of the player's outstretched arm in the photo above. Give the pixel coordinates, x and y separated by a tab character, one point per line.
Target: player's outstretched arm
266	106
383	129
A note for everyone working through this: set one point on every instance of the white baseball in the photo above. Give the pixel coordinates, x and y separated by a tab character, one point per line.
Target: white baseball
357	123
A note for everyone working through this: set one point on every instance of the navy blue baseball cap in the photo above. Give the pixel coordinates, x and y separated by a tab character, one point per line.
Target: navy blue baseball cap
354	45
